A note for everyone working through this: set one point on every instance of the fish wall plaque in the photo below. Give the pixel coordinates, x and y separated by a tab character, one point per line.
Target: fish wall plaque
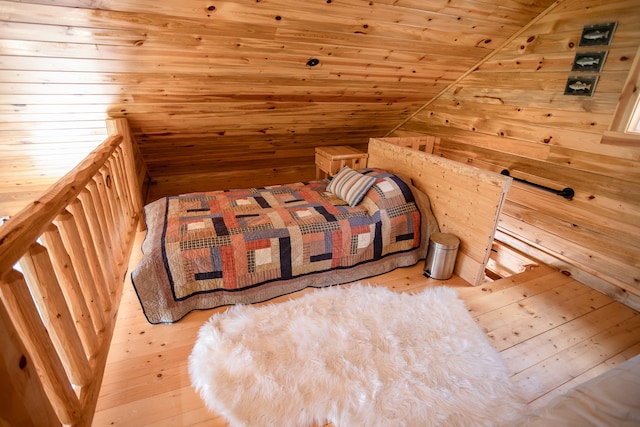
589	61
581	85
597	34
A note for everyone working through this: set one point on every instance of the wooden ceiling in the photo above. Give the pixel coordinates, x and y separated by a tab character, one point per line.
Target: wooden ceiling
226	87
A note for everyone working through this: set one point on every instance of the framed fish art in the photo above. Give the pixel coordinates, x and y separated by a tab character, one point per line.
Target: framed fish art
589	61
597	34
581	85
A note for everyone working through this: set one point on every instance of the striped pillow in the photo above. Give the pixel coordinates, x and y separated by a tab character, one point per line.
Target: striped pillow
350	186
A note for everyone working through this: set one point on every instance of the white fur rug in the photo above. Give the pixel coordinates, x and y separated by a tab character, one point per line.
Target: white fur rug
353	356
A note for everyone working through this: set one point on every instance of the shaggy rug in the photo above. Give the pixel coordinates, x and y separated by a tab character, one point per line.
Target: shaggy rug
353	356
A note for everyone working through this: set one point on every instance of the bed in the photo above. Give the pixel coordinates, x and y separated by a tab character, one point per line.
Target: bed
240	246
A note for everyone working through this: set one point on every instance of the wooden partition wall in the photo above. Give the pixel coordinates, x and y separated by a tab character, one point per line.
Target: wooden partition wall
465	200
62	264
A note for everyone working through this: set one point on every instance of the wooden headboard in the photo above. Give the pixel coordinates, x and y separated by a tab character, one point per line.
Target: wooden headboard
465	200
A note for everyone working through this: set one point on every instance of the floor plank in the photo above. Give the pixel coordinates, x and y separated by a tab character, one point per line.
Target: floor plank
576	359
553	333
550	342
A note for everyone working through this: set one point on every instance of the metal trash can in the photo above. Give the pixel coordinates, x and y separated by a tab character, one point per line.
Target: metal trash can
441	256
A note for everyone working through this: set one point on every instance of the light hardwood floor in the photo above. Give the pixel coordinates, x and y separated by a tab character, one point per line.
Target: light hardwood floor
552	332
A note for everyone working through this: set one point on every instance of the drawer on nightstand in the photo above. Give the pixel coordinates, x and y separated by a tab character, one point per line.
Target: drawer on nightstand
331	159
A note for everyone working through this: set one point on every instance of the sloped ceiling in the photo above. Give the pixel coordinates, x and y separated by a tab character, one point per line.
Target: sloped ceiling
215	86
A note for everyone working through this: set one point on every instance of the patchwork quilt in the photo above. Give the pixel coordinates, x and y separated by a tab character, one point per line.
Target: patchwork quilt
204	250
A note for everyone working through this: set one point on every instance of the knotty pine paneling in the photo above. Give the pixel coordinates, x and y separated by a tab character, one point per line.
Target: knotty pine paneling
510	112
214	90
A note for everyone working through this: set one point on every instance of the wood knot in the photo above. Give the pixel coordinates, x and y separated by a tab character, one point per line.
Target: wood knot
22	363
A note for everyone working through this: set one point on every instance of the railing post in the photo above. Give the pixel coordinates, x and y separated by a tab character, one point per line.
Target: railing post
103	244
111	215
24	315
63	265
53	308
123	185
23	401
99	268
121	126
73	243
106	220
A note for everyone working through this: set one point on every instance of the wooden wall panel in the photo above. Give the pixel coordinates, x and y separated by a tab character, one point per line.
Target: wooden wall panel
510	112
465	200
218	88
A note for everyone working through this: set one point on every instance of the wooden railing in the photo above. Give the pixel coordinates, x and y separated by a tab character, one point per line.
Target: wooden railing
62	265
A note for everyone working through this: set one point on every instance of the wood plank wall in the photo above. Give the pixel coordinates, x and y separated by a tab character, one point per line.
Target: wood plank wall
511	113
217	92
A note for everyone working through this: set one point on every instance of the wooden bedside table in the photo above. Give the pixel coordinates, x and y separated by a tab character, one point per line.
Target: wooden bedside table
332	158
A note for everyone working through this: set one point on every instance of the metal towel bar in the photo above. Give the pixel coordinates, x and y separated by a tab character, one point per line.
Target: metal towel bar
567	193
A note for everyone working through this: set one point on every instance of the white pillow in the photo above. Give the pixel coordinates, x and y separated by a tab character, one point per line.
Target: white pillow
350	186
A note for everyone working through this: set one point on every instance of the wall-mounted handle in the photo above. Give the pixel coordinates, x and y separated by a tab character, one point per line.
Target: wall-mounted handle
567	193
